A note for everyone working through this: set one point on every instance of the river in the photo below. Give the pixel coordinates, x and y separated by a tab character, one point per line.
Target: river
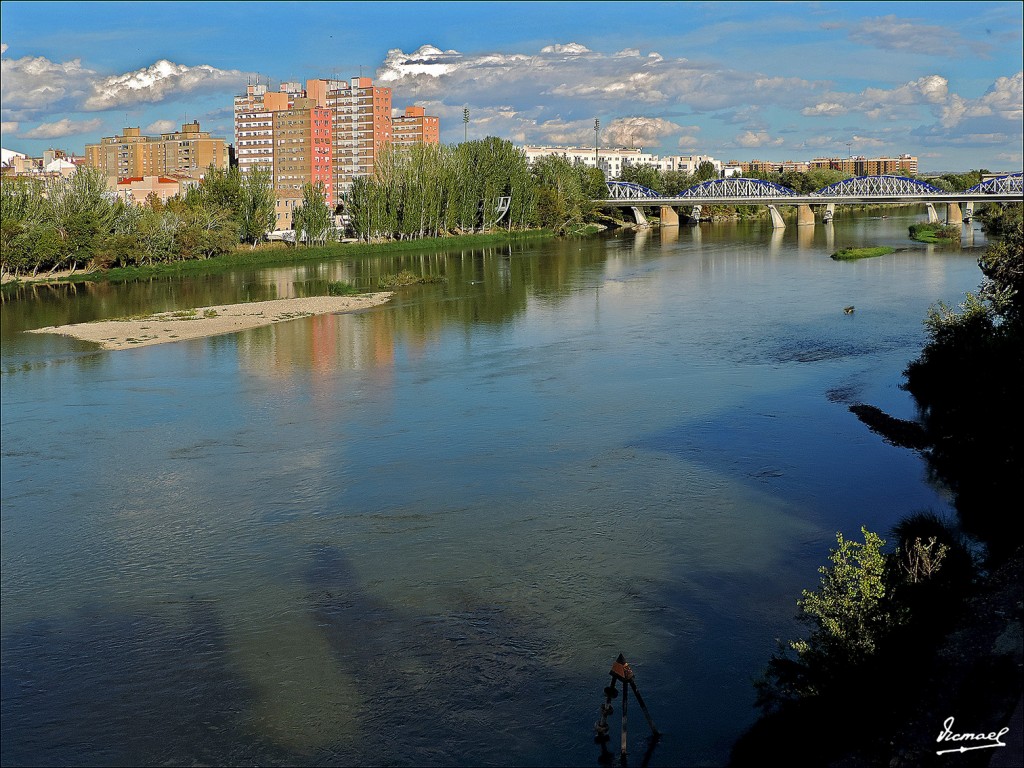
421	535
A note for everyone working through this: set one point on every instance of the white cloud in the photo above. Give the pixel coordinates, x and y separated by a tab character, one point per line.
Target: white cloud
61	128
573	49
3	48
159	82
160	126
34	86
757	139
35	82
638	131
9	126
827	108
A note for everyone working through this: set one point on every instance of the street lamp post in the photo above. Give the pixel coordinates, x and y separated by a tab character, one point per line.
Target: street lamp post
597	144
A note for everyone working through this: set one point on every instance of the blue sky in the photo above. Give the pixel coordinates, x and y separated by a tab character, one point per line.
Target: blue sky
774	81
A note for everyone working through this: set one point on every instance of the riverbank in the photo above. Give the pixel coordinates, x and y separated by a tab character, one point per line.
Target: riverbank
269	255
165	327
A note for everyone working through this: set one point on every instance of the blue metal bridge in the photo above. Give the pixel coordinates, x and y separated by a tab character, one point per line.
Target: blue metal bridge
859	190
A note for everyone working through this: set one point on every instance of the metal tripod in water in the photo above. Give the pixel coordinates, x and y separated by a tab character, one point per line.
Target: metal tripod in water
620	672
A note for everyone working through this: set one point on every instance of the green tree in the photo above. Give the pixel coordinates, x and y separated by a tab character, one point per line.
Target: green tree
642	174
256	215
562	202
83	211
312	219
705	172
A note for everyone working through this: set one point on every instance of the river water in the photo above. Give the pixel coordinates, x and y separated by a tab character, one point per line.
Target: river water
421	535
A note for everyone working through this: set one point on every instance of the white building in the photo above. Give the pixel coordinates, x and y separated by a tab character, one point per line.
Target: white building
613	160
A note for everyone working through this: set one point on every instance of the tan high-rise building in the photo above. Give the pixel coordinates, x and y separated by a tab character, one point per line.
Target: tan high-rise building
415	126
188	152
360	127
303	147
362	124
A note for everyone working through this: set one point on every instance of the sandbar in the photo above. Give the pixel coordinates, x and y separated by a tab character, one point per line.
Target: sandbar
165	327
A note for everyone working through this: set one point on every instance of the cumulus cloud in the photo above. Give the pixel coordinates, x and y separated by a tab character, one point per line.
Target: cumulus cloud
639	131
62	128
827	108
573	49
35	82
577	78
159	82
757	139
34	87
9	126
160	126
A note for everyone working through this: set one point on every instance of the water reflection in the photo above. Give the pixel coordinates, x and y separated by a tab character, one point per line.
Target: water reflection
419	534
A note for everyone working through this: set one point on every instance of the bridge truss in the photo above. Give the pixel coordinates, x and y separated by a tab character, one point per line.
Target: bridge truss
1010	184
736	187
862	189
877	186
627	190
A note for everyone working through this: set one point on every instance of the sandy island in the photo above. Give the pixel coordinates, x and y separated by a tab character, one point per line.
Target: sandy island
201	322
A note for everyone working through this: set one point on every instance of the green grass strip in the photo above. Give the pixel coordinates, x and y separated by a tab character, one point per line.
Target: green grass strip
852	254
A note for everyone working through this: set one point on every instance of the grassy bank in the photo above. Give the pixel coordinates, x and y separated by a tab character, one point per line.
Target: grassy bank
271	255
935	233
851	254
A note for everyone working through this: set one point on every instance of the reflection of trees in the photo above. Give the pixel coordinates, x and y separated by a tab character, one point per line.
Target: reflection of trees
482	286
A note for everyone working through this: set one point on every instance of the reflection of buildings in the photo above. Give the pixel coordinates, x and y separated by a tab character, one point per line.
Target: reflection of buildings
326	345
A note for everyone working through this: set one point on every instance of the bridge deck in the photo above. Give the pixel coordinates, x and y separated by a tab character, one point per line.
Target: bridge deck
951	197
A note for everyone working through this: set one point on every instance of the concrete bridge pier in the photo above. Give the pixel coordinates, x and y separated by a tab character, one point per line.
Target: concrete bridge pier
969	211
830	212
804	216
695	214
953	214
933	217
638	215
777	220
669	217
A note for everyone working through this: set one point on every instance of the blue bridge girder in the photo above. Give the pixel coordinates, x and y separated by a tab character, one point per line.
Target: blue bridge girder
862	189
1011	183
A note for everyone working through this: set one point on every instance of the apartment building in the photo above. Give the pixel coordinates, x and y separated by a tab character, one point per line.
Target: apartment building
254	126
271	133
415	126
859	165
188	152
612	160
302	154
54	164
361	122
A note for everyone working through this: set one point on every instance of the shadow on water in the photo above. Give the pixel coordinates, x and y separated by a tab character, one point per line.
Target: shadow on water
56	672
469	687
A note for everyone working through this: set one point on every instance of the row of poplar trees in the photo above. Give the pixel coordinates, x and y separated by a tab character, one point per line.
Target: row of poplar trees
69	223
433	190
